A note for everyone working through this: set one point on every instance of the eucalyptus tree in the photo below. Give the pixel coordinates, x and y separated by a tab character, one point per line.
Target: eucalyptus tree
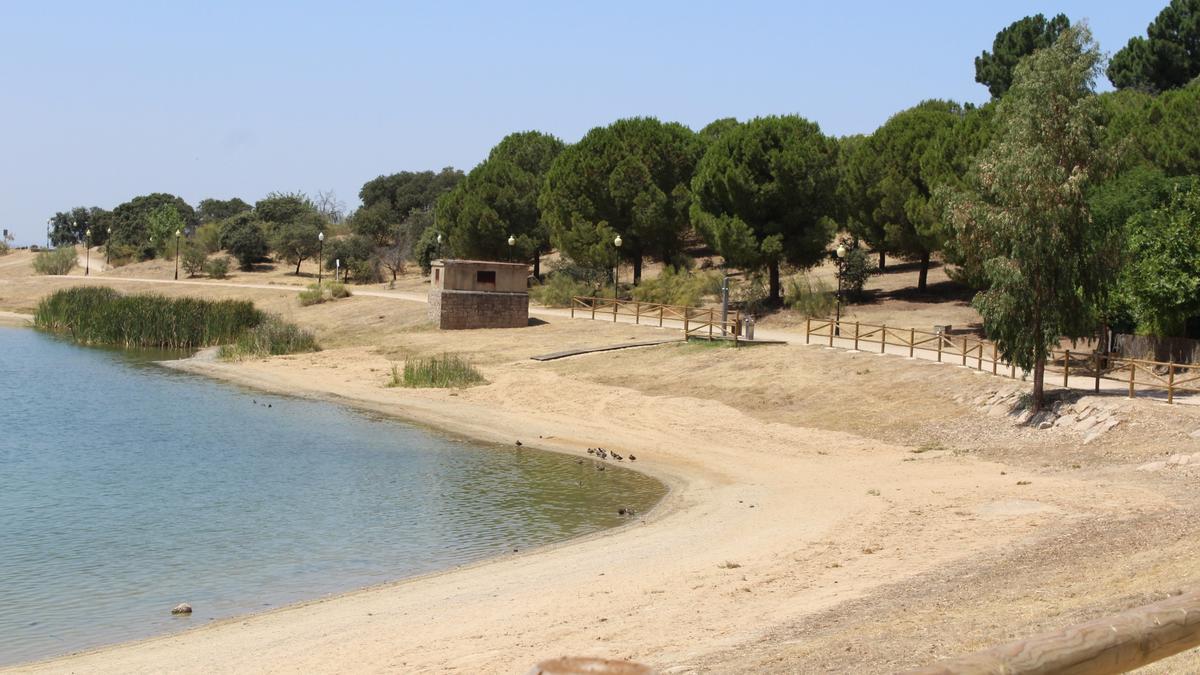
765	194
629	179
1026	212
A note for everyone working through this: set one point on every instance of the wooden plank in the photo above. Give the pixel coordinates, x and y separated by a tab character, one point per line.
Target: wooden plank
592	350
1114	644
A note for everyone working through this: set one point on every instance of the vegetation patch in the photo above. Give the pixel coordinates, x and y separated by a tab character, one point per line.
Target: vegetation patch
59	261
102	316
811	298
272	337
685	289
559	289
445	371
326	292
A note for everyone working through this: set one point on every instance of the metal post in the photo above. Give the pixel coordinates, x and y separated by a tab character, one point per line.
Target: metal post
724	302
321	261
837	322
177	255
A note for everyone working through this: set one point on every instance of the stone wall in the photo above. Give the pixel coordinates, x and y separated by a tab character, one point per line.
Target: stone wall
454	310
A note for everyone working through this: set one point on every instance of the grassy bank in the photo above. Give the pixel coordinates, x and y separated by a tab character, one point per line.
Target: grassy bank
448	370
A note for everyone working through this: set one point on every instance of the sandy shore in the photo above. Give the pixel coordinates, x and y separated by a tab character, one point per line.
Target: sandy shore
15	319
804	530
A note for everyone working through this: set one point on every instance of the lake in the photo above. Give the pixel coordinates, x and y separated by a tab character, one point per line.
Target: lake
127	488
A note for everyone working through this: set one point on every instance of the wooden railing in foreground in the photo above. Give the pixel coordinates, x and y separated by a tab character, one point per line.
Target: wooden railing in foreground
973	352
1114	644
697	321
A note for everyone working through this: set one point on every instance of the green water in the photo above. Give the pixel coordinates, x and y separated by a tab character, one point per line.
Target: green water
126	488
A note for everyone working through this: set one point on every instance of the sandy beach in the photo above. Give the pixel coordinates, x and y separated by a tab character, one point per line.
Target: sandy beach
828	511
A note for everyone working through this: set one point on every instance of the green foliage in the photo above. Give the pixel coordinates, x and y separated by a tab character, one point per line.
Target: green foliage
102	316
1044	256
685	289
243	236
327	291
214	210
217	268
193	257
1169	55
69	227
208	237
855	268
164	224
279	209
357	256
765	194
1161	276
1021	38
59	261
130	222
375	222
751	295
810	298
448	370
630	178
297	240
272	337
407	191
558	290
498	199
426	250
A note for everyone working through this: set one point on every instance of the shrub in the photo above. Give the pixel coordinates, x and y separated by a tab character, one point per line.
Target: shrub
193	257
272	337
810	298
243	236
678	288
217	268
103	316
856	267
326	292
208	237
357	254
558	290
367	271
450	370
59	261
750	296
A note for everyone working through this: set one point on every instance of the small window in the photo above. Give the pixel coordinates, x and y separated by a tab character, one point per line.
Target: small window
485	277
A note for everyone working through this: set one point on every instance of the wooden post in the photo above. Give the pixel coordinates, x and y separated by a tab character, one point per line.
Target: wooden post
964	352
637	313
939	341
831	322
593	303
994	360
1113	644
855	336
1066	368
660	315
685	323
912	341
882	339
710	327
807	329
1171	382
1132	370
979	355
573	302
1012	370
616	303
1096	358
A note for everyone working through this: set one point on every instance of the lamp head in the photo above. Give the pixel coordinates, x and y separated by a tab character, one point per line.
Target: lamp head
617	241
841	251
512	241
320	236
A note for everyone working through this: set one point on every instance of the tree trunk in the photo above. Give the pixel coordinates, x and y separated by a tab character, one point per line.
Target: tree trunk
1039	384
773	282
298	266
924	277
637	269
537	265
882	261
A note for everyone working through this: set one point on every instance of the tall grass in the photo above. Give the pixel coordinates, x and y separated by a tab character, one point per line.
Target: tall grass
326	292
559	289
102	316
811	298
449	370
272	337
686	289
59	261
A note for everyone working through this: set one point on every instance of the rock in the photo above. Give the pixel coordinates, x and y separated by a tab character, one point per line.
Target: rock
1152	466
1195	434
1046	425
1064	421
998	410
1180	460
182	608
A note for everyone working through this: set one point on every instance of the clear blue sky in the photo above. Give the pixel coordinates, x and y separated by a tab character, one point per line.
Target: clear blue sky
103	101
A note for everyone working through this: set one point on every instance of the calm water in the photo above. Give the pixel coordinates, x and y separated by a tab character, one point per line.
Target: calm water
126	488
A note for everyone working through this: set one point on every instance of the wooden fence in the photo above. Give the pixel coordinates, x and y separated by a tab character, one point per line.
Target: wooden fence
1173	378
703	322
1113	644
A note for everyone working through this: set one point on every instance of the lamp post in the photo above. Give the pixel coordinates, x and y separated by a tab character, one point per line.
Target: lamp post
512	241
321	258
87	251
107	245
177	233
439	245
617	267
49	222
841	264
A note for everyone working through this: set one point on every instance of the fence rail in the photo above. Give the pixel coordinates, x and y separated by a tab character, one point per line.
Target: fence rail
697	321
1173	378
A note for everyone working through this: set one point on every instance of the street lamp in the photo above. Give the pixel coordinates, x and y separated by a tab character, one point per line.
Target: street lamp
107	245
841	264
87	248
617	267
177	233
321	258
439	245
49	222
512	241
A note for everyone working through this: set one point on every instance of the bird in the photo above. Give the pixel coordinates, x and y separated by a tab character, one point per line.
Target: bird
591	451
632	458
519	444
600	468
621	511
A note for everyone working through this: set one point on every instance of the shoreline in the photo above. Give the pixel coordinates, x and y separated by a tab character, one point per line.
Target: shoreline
16	320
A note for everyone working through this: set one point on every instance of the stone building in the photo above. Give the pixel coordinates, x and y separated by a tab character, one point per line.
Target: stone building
478	294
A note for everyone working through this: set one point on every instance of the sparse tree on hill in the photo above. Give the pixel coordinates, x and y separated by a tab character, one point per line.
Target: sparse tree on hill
1044	256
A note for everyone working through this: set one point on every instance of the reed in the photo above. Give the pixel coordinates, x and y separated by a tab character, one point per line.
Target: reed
272	337
102	316
448	370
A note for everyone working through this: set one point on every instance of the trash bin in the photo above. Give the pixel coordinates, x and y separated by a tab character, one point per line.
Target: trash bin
749	329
